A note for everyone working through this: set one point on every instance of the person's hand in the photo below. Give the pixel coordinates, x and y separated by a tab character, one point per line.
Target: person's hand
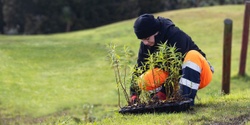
160	96
133	99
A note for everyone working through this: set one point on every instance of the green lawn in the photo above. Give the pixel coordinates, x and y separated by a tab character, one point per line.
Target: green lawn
66	78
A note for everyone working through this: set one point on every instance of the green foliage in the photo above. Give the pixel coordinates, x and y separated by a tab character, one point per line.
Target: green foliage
170	61
166	58
149	6
1	18
46	16
120	65
180	4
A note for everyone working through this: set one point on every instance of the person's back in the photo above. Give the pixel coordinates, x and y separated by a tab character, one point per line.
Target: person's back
175	36
168	32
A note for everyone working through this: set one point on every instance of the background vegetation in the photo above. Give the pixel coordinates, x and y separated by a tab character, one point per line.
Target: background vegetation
66	79
47	16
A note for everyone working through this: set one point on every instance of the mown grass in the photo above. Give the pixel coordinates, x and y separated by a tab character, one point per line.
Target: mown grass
66	79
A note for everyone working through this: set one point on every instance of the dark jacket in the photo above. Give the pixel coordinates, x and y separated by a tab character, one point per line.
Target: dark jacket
173	36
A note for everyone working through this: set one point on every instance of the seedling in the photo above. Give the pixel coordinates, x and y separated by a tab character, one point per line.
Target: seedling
120	65
167	58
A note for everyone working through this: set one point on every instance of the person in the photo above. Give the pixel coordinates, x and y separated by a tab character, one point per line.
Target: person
196	70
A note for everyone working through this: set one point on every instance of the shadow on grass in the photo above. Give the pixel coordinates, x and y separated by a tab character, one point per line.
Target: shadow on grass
240	120
245	78
224	111
80	114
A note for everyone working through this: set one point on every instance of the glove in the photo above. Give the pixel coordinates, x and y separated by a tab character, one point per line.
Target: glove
133	99
160	95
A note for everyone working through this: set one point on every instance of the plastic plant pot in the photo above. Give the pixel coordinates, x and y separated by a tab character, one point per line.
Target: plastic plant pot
166	107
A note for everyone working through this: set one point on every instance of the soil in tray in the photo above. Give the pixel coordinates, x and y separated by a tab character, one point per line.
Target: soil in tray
167	107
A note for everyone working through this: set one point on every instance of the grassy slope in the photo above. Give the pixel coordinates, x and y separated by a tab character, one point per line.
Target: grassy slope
44	74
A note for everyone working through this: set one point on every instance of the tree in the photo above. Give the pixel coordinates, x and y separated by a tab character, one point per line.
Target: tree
12	16
1	17
47	16
67	16
151	6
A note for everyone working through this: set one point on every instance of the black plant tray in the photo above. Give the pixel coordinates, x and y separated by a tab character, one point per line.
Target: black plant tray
167	107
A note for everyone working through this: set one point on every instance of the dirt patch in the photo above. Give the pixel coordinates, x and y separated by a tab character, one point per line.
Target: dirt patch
65	114
8	120
241	120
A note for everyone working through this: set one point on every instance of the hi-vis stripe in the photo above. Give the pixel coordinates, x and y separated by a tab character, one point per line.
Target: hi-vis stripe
156	90
189	83
192	66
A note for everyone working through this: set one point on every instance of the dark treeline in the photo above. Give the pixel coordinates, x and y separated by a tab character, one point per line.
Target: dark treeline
53	16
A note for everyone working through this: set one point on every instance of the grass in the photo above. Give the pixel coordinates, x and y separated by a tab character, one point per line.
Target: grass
65	78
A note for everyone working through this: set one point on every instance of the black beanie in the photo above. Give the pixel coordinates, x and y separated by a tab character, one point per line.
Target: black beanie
145	26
